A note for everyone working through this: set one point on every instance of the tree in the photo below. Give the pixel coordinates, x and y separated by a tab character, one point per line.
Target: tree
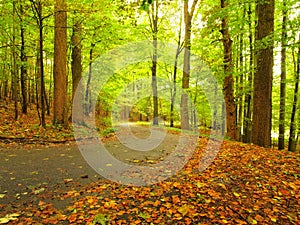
15	77
23	57
283	78
247	125
38	10
174	90
292	138
76	67
60	64
262	109
231	119
184	109
153	17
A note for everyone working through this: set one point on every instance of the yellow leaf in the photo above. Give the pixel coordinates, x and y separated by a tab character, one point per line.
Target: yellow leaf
199	184
184	209
222	186
253	222
236	194
4	220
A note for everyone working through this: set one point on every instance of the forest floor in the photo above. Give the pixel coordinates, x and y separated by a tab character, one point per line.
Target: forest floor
45	180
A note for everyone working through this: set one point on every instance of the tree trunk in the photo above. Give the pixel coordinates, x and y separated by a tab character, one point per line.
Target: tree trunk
15	77
283	79
184	110
42	78
23	64
174	92
154	28
60	64
76	67
262	110
231	126
247	130
87	98
240	86
292	139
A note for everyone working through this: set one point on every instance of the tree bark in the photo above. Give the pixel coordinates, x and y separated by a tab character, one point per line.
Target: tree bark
76	67
174	91
283	79
87	97
231	118
15	77
60	64
153	16
184	109
292	138
247	129
41	40
262	110
23	58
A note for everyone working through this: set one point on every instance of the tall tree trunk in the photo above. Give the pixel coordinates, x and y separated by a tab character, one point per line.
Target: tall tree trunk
60	64
292	137
174	91
41	40
40	77
76	67
15	77
231	126
247	129
87	98
283	78
184	109
37	81
262	110
153	16
240	81
23	58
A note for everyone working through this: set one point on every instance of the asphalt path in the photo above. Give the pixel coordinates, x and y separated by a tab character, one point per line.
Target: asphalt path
25	173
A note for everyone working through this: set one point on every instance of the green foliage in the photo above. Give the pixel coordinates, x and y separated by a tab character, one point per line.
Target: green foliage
146	4
101	219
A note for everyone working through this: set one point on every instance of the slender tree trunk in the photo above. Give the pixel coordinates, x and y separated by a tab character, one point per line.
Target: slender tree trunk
248	96
76	67
23	63
153	15
154	84
174	92
240	81
283	79
87	98
42	78
15	77
262	110
292	137
184	109
231	126
37	81
60	64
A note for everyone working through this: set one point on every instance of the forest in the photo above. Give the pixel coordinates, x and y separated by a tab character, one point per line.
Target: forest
47	48
225	72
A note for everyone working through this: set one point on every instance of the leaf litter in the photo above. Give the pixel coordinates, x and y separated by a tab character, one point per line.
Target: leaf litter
245	184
